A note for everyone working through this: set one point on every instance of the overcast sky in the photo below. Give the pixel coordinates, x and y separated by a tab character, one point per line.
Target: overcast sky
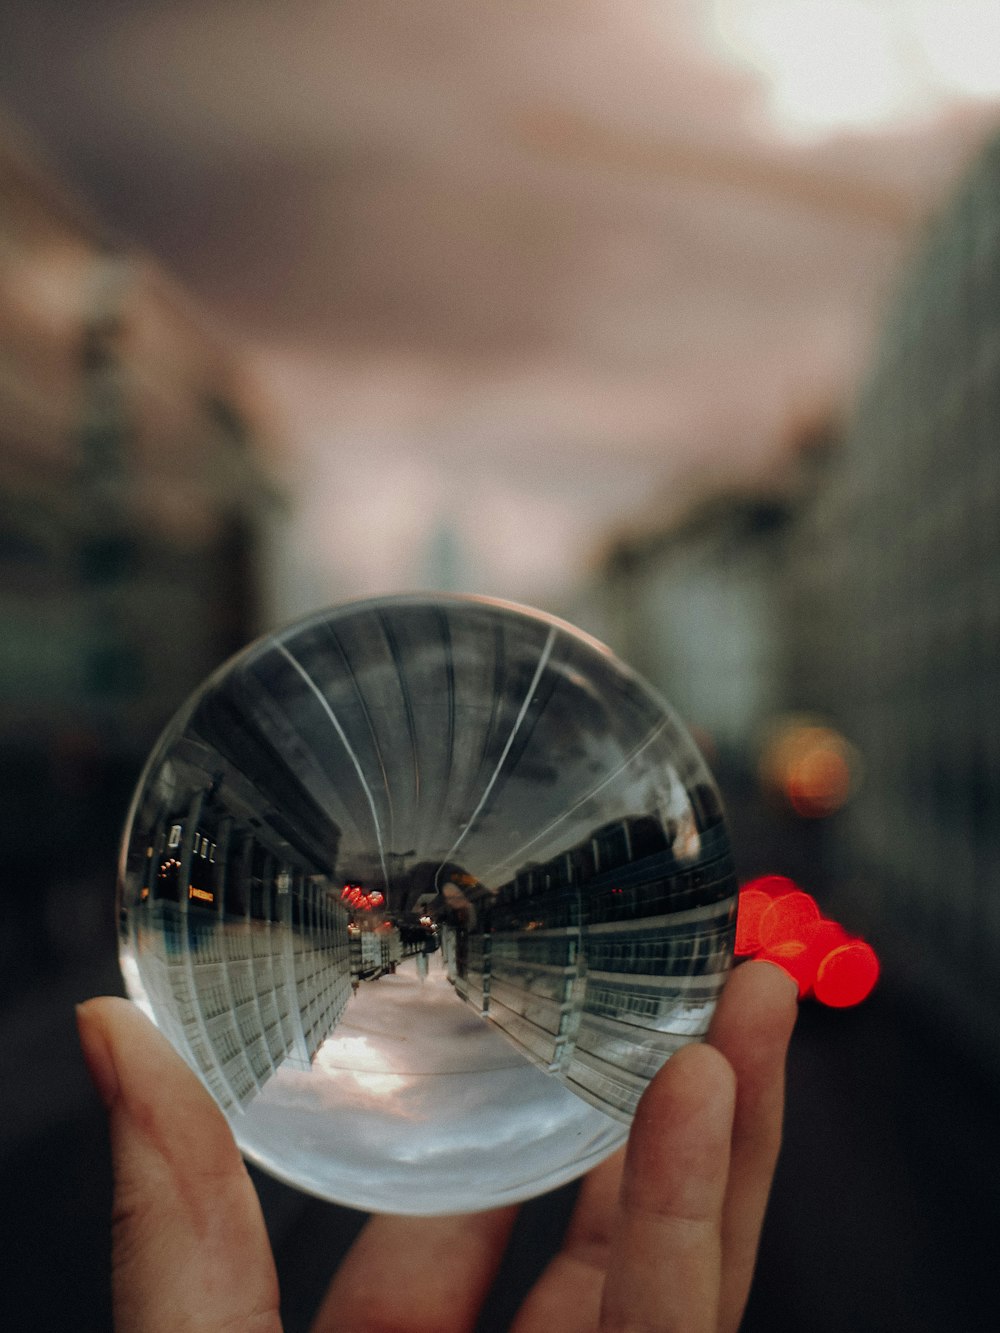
511	272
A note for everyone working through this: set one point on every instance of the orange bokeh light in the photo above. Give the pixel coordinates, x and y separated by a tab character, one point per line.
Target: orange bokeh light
809	765
819	782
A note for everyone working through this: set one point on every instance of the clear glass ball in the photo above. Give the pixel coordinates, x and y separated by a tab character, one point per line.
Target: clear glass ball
426	889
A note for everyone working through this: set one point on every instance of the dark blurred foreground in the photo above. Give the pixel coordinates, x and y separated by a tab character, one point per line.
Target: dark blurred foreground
860	597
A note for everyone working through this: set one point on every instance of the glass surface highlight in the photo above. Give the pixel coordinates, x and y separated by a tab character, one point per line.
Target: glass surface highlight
426	889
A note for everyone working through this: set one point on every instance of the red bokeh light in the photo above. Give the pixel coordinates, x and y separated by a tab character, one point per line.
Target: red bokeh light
755	898
772	885
791	916
753	903
846	975
780	923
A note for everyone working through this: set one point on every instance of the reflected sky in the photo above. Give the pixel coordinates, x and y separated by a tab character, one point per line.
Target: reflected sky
414	1078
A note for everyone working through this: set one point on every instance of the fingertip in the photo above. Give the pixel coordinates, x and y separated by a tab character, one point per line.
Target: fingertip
758	1005
145	1084
113	1016
125	1051
697	1072
96	1052
775	997
110	1020
695	1079
770	980
687	1108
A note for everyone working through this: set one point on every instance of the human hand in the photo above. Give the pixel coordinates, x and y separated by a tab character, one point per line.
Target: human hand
664	1234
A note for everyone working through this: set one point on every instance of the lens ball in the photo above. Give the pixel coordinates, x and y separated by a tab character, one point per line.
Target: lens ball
426	889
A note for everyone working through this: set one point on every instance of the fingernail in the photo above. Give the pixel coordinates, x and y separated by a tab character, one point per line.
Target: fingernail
97	1057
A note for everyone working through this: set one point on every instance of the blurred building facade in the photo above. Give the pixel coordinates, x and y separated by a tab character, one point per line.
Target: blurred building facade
695	605
861	601
134	512
901	544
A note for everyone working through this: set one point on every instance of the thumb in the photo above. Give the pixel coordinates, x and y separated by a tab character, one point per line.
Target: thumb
189	1247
